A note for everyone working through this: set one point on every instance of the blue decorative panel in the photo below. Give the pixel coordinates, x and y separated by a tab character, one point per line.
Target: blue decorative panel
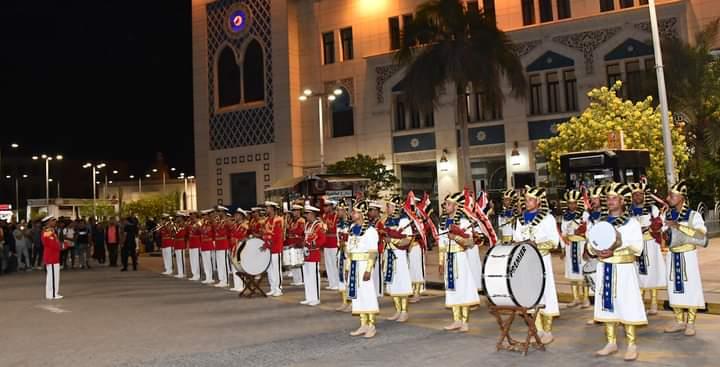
252	126
487	135
413	143
629	49
544	129
550	60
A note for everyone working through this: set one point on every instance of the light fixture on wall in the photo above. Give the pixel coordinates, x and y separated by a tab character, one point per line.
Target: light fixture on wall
444	164
515	155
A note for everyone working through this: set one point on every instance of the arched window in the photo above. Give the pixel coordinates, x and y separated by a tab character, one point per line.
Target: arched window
254	72
342	115
228	74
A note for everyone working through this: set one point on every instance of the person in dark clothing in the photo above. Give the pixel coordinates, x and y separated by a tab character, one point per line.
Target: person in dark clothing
82	240
130	231
112	238
98	240
37	245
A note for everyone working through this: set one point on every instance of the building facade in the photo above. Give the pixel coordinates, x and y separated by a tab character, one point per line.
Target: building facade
254	58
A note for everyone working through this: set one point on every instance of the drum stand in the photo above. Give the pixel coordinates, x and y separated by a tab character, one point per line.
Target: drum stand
505	315
252	285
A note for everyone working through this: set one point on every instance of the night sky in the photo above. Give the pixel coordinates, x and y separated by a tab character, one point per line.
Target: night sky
94	80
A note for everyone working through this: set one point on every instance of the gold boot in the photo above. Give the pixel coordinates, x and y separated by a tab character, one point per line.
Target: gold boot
586	297
547	337
403	309
464	318
457	319
363	325
679	324
370	332
416	293
653	302
396	302
575	294
611	346
631	353
691	316
539	325
344	304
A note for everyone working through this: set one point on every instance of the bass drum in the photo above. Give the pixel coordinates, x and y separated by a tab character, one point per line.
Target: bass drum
251	256
514	275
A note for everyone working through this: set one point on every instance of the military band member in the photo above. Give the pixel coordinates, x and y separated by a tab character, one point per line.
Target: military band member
180	235
207	247
593	214
166	244
362	251
508	215
617	292
416	263
685	290
329	218
238	233
455	238
573	233
650	263
195	243
343	234
273	233
537	225
51	258
398	237
296	234
221	231
375	220
315	236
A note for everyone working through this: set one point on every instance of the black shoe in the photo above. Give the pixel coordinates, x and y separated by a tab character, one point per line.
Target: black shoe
123	269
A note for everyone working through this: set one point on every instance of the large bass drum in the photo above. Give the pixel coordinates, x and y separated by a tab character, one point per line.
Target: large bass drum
251	256
514	275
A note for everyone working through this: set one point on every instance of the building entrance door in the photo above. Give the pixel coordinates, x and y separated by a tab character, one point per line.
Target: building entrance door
242	189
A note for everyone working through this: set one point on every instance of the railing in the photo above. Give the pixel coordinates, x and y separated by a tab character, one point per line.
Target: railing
712	217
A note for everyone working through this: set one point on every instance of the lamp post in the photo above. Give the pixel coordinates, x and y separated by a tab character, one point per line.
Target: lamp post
17	192
47	160
307	94
12	146
132	177
662	94
95	168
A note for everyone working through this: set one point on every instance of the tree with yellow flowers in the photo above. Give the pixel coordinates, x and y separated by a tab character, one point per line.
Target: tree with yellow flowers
639	121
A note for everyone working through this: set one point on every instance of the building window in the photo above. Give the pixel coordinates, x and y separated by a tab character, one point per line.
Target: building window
633	81
407	118
643	2
528	12
415	119
346	37
400	114
342	115
489	8
253	73
430	119
571	103
406	20
546	11
563	9
613	74
627	4
553	92
228	75
480	109
328	39
535	95
394	25
607	5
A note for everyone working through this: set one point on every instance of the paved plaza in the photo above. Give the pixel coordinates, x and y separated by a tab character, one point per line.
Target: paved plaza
109	318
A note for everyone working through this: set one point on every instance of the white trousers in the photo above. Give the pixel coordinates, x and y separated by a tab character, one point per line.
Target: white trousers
222	266
238	284
207	264
297	275
167	255
312	281
331	267
195	263
275	273
52	281
180	262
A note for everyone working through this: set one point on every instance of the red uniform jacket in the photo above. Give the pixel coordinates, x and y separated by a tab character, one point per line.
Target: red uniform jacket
195	237
314	240
297	233
166	239
273	234
238	233
330	221
380	226
180	240
222	237
206	238
51	247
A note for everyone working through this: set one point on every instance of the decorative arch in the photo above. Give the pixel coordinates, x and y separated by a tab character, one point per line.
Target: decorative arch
228	77
253	68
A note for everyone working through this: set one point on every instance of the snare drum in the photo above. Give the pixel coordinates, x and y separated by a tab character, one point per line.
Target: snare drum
293	257
254	258
514	275
602	236
589	271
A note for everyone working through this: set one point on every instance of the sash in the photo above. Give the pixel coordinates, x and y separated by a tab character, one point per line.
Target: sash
352	282
678	276
450	266
341	266
574	257
390	266
642	260
607	296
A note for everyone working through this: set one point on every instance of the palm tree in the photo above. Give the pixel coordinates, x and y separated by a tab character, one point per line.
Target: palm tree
449	43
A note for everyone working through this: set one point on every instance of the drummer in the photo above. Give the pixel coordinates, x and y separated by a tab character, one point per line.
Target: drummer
313	241
362	252
537	225
573	235
238	234
508	215
296	234
685	290
343	227
617	292
455	238
399	236
650	263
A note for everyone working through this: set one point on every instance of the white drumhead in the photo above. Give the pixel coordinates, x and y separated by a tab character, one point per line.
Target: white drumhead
254	259
601	236
526	275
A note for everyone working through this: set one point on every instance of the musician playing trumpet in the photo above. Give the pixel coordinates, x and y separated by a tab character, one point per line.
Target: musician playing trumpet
398	237
617	291
573	233
455	237
166	244
685	291
537	225
313	241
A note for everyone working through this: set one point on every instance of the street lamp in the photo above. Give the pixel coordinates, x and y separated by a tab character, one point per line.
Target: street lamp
17	192
307	94
13	146
95	168
47	160
132	177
